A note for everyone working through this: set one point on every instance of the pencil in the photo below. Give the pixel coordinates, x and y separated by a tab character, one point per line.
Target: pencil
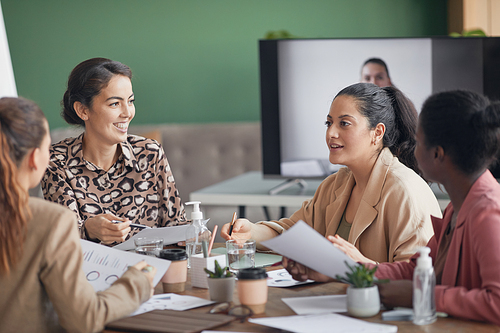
214	233
232	224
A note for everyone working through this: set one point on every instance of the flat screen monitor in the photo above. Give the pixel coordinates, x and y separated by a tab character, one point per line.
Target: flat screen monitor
300	77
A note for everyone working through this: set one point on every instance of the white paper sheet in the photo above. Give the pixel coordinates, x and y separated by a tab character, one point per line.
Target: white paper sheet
317	304
171	302
104	265
306	246
327	323
170	235
281	278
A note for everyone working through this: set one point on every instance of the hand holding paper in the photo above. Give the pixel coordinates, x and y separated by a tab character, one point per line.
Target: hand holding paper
303	244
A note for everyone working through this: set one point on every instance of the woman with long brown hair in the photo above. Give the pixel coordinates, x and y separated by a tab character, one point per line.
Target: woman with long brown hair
44	288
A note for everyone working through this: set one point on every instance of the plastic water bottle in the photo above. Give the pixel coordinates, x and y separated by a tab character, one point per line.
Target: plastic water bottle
197	232
424	282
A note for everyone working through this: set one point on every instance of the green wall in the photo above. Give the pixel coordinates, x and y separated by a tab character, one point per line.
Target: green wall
193	61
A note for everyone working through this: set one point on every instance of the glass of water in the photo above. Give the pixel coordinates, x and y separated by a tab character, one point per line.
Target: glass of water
240	254
148	246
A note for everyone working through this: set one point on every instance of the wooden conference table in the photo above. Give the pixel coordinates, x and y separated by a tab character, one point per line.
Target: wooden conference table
276	307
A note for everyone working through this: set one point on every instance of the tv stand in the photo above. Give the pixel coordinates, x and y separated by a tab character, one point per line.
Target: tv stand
288	183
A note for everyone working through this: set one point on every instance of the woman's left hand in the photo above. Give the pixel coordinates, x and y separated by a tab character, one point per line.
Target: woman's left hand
350	250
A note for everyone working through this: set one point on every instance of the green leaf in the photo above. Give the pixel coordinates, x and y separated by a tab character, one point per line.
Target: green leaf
358	276
218	272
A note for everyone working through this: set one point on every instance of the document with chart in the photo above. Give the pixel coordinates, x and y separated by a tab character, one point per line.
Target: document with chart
104	265
308	247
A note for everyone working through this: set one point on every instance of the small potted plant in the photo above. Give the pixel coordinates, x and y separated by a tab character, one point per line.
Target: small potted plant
220	283
363	299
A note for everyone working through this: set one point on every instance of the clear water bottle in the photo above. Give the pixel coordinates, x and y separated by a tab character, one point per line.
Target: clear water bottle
197	232
424	283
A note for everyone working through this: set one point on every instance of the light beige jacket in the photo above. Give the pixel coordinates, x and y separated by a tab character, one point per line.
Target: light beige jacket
393	218
49	277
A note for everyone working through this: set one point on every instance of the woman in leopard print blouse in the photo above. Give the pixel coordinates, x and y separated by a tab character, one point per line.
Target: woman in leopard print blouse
106	174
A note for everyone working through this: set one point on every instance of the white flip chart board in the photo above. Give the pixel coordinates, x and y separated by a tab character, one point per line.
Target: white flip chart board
7	81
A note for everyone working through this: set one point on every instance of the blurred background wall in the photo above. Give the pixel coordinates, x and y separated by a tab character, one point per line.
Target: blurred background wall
194	61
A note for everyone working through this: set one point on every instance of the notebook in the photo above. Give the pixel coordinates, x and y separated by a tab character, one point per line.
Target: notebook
170	321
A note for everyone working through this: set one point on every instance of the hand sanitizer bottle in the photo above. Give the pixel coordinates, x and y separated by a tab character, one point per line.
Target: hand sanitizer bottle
197	232
424	282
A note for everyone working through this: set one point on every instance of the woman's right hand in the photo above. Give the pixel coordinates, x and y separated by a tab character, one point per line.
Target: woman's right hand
242	229
300	272
149	271
100	227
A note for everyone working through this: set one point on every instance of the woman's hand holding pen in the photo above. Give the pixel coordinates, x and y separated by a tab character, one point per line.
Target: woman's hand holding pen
242	229
350	250
149	271
100	227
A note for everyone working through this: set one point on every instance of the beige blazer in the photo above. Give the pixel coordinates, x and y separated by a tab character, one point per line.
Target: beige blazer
393	218
47	291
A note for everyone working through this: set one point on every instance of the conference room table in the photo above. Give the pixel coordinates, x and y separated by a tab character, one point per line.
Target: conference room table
275	307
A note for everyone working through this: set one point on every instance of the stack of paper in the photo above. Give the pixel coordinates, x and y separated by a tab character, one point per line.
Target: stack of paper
327	323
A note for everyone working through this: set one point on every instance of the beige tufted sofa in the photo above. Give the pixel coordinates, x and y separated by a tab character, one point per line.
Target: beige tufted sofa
201	155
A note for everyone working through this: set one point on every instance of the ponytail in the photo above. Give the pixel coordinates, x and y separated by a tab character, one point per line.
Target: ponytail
22	127
402	140
13	204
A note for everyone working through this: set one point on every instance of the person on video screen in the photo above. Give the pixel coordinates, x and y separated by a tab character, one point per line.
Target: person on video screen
375	71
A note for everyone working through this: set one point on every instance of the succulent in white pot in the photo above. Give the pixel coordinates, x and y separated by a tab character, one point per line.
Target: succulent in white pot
363	299
220	283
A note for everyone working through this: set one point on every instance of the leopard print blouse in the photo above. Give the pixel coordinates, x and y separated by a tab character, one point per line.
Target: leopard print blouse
139	186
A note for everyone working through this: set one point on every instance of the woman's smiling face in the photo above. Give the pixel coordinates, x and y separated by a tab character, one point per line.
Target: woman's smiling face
111	111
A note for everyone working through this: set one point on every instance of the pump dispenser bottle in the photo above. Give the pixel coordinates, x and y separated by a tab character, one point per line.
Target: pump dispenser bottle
424	282
197	232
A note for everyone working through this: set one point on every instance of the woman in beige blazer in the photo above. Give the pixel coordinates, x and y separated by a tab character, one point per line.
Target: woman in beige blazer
378	203
43	287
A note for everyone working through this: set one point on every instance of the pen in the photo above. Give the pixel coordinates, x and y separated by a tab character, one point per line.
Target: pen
214	233
135	225
204	246
232	224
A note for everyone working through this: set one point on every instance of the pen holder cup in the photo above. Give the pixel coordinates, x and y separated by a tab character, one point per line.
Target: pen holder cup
199	263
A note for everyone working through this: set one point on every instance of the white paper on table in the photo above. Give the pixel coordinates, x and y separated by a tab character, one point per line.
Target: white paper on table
305	245
170	235
171	302
209	331
104	265
317	304
327	323
281	278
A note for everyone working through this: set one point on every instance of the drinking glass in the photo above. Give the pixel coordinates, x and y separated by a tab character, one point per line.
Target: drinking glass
148	246
240	254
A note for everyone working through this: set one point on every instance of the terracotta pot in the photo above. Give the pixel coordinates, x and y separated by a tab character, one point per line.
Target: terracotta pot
363	302
221	289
